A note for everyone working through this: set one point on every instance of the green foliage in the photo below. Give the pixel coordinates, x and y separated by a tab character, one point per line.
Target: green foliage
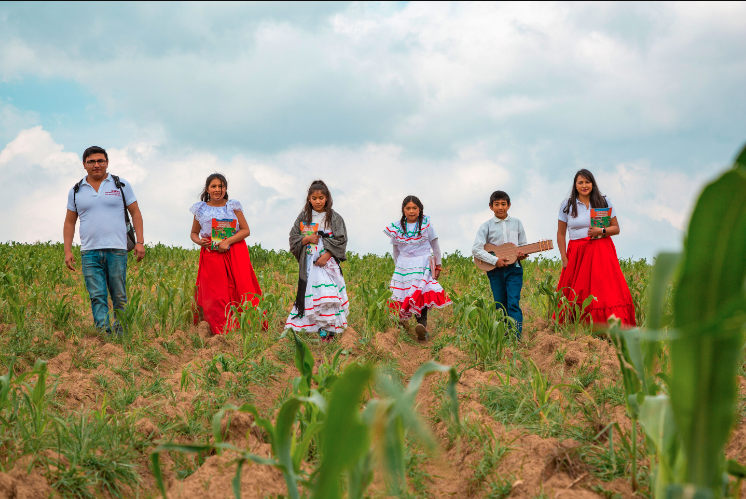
553	295
688	427
709	313
376	305
489	329
350	442
100	456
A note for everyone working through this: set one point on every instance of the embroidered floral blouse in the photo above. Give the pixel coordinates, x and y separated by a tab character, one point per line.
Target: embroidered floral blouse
204	213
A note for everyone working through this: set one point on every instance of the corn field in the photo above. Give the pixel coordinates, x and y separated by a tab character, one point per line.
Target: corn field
571	410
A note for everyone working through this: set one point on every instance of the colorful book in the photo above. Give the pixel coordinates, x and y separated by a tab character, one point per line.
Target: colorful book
600	217
222	229
309	230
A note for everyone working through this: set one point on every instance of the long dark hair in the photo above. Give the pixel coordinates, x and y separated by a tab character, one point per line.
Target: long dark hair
597	199
415	200
319	185
205	196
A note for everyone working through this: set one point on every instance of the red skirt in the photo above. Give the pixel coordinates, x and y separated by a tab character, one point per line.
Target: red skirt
224	279
593	269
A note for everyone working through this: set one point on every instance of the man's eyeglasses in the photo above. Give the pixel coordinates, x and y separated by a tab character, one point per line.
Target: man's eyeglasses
92	162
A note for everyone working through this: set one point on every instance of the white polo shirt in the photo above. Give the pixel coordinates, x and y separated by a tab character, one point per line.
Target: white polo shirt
101	213
578	227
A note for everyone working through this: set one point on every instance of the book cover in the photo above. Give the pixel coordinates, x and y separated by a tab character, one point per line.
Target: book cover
309	230
600	217
222	229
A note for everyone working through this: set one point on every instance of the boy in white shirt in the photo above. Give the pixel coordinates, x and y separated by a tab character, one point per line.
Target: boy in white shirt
506	280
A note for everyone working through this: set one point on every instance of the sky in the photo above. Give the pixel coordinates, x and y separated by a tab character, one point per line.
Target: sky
446	101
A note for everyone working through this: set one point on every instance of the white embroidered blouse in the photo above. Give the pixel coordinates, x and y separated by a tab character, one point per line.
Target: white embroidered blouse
204	213
413	242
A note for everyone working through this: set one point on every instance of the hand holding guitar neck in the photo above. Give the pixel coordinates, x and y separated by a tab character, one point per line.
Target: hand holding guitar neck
510	253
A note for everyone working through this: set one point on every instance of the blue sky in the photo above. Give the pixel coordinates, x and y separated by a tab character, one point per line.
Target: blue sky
381	100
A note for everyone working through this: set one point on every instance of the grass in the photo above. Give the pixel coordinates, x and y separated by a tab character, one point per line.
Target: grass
103	452
492	452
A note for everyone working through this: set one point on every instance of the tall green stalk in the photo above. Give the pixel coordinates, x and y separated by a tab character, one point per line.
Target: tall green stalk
709	312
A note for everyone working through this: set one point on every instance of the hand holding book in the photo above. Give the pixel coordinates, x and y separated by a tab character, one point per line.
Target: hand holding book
222	229
600	219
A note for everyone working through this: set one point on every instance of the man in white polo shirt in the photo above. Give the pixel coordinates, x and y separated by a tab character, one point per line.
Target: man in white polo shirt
99	203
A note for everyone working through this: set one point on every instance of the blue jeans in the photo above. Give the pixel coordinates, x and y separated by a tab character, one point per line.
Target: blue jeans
105	272
506	284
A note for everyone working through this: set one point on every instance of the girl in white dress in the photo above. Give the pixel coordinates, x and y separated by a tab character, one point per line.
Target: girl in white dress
417	259
318	240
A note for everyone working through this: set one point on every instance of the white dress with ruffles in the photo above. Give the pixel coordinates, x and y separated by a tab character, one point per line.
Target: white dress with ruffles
412	284
327	304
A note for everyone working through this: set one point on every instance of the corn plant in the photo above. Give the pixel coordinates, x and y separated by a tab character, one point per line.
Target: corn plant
689	428
164	307
61	311
542	389
709	313
352	442
574	311
376	305
10	393
251	321
554	296
36	400
132	317
489	329
11	294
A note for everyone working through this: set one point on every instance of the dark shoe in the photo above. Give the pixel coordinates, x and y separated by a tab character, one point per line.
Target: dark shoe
326	336
421	332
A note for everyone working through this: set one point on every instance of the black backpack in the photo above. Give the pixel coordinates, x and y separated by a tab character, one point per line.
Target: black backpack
131	240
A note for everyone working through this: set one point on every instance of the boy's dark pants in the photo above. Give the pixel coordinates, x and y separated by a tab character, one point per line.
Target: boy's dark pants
506	284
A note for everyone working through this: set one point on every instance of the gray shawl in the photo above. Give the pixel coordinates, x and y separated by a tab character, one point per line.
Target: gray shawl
336	245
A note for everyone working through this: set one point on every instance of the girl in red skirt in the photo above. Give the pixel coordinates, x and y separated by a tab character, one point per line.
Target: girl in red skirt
225	276
589	263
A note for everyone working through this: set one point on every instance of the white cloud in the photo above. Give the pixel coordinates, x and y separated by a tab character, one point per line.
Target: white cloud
448	101
35	146
657	195
41	172
272	190
426	74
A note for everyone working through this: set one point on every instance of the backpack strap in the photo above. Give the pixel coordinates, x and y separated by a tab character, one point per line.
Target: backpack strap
120	185
76	188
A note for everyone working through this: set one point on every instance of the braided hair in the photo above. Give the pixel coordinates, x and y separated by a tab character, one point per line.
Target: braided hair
415	200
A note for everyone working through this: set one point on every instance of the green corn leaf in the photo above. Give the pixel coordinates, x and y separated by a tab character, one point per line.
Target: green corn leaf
316	399
301	449
740	161
304	360
657	419
155	463
705	356
236	482
393	450
404	406
663	270
736	469
688	492
344	439
284	440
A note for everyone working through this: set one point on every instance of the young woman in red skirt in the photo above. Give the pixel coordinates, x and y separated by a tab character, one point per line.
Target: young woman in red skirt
589	263
225	276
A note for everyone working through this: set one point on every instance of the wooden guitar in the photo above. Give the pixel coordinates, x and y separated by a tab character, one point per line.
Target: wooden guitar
509	252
